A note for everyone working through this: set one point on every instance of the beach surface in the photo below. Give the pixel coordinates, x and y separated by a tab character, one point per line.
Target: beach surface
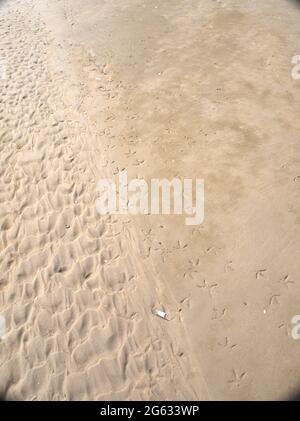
161	89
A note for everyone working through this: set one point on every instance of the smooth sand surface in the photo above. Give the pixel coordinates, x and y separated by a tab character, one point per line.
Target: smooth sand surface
162	89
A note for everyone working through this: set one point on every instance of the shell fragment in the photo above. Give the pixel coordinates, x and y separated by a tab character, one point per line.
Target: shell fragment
161	314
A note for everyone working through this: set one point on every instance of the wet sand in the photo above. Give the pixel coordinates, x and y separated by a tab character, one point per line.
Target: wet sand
161	89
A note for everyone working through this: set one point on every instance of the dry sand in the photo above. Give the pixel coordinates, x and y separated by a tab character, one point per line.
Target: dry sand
160	88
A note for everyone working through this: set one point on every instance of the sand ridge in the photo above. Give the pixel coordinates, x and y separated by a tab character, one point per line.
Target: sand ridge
161	89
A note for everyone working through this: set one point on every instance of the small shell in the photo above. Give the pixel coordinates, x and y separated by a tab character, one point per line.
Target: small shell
161	314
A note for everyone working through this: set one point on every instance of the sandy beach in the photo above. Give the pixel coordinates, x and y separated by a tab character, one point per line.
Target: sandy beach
159	89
